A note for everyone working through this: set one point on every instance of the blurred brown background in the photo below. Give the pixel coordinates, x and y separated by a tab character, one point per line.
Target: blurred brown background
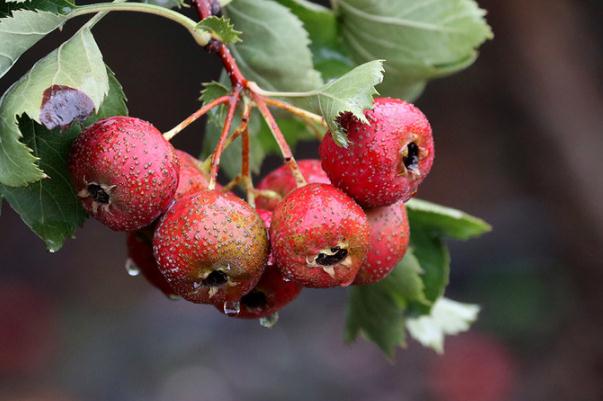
519	141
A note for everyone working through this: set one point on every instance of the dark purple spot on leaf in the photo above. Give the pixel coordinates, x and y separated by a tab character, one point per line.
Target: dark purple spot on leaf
62	105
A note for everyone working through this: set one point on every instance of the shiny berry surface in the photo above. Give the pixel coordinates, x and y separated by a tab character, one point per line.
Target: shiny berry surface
282	182
319	236
124	172
212	247
389	237
386	159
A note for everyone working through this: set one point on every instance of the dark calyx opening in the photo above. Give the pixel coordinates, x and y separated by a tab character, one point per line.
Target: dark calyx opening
411	160
338	255
98	194
215	279
256	299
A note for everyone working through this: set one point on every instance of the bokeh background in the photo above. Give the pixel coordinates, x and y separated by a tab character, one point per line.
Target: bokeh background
519	143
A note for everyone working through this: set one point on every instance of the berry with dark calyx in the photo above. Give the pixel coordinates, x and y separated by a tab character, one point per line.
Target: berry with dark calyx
282	181
140	253
270	295
389	237
211	247
387	159
124	172
192	179
319	236
272	292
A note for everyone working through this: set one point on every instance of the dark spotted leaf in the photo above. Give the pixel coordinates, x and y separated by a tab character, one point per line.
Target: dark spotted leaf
49	206
76	64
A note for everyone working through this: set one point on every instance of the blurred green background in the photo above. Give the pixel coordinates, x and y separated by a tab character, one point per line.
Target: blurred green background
519	143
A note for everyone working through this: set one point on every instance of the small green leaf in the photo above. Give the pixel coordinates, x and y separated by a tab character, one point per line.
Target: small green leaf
447	318
377	311
221	28
274	50
353	92
50	206
21	31
446	221
419	40
76	74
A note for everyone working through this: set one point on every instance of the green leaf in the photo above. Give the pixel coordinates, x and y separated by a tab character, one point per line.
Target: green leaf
434	259
419	40
353	92
64	86
447	318
377	311
50	207
446	221
329	56
54	6
220	28
114	103
21	31
274	49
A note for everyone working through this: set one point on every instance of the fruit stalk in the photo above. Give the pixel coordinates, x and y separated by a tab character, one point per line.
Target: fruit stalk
195	116
215	159
280	139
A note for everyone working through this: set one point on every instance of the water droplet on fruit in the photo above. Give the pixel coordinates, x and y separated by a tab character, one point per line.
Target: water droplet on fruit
232	308
131	268
269	321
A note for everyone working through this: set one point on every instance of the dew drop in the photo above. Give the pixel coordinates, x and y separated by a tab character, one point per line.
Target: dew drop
232	308
269	321
131	268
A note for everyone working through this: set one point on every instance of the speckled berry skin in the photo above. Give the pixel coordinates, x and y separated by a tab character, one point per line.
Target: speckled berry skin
386	159
282	182
192	179
212	247
124	172
140	252
271	293
319	236
389	237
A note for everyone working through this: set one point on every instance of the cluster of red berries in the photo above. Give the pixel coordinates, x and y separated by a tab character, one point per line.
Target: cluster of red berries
348	225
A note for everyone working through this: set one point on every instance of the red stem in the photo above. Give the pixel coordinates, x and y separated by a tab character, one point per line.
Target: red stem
280	139
215	160
204	9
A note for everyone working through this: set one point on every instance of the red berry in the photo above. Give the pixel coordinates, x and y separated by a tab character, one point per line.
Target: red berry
270	295
124	171
282	182
319	236
192	179
386	159
211	247
389	236
140	252
272	291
